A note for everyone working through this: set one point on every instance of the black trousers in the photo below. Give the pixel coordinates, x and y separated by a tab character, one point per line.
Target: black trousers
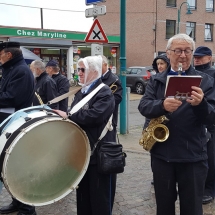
23	208
94	193
210	180
191	180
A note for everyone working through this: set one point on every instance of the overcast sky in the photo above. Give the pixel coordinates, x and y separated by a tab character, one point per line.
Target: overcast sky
72	20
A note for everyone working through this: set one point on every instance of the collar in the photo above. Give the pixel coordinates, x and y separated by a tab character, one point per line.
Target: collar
12	61
105	73
41	75
55	75
203	66
87	88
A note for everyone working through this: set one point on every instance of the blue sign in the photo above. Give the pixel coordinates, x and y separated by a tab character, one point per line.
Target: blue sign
88	2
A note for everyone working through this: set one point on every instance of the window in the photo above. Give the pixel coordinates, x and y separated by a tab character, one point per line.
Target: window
208	32
191	29
192	4
209	5
170	28
171	3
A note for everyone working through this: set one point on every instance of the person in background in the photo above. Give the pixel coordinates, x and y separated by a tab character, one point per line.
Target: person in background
202	62
62	82
182	158
94	192
16	92
114	83
45	86
160	63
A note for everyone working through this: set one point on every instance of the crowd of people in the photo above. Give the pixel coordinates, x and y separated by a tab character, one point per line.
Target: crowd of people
22	87
183	166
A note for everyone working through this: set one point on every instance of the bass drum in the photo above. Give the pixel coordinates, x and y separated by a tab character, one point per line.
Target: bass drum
43	156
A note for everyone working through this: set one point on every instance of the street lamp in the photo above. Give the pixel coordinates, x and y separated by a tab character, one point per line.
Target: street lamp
179	14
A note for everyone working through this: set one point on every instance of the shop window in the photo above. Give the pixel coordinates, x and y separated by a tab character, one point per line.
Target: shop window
170	28
208	32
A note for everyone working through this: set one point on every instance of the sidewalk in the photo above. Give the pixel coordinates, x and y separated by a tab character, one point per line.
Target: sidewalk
134	192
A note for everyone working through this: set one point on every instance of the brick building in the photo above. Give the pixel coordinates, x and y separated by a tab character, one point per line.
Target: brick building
150	23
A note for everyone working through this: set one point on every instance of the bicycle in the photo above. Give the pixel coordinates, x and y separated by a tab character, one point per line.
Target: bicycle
74	80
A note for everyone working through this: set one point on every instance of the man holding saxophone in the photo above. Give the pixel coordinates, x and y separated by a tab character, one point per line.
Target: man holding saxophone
182	157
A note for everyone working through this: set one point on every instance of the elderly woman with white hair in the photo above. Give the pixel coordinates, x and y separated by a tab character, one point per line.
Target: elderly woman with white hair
94	193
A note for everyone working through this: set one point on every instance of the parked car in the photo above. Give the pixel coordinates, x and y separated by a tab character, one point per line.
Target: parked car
137	78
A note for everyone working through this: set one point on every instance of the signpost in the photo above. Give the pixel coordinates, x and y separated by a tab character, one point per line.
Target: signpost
96	34
88	2
95	11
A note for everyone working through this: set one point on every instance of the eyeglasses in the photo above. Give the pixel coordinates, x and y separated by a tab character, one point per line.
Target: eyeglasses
179	51
81	69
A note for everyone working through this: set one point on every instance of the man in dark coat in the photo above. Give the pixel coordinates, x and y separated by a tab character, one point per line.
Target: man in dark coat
95	192
202	62
45	86
114	83
16	92
182	158
62	82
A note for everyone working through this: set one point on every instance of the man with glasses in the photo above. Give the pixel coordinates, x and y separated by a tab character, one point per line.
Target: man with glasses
202	62
16	92
182	158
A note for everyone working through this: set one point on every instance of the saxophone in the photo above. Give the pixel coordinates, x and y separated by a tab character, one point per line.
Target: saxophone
155	132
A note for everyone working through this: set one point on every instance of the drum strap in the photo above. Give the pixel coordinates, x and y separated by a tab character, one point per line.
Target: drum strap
83	101
59	98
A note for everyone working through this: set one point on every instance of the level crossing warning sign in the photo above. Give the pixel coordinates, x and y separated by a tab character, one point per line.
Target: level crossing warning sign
96	34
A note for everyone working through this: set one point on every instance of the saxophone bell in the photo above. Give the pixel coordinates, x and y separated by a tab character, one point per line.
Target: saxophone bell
155	132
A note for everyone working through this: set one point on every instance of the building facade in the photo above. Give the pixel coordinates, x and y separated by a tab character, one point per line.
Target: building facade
149	24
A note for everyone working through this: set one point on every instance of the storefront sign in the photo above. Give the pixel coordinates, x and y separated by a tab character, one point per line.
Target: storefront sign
75	36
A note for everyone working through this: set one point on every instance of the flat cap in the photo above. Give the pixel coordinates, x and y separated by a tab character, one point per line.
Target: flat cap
9	45
202	51
52	63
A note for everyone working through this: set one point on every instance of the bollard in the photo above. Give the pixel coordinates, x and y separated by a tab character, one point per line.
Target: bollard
128	90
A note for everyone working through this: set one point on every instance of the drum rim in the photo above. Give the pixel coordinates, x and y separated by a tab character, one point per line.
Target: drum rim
74	185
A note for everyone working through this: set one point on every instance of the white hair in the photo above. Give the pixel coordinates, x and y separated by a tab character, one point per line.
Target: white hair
180	37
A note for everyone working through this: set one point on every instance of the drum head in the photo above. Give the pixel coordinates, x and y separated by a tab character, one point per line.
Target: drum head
46	161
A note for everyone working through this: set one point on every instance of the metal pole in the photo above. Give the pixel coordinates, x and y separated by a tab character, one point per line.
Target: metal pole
123	120
179	14
41	15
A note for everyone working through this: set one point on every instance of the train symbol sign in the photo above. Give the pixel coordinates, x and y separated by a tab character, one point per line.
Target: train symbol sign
96	34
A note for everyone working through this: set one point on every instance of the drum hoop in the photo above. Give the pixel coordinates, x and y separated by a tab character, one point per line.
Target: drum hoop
27	111
75	184
16	133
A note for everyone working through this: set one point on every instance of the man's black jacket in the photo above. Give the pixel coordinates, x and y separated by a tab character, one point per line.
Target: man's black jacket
62	87
46	88
187	139
110	79
17	84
